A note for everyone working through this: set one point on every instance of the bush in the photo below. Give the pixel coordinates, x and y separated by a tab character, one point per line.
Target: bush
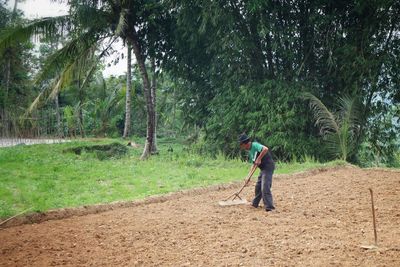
270	113
102	152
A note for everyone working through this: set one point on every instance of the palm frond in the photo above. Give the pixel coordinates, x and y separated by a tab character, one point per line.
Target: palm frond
323	117
351	120
339	131
63	80
86	12
51	91
351	112
122	22
70	52
47	27
36	102
333	145
89	74
91	61
66	77
82	66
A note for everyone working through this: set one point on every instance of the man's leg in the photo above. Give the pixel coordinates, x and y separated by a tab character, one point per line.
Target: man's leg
258	194
266	183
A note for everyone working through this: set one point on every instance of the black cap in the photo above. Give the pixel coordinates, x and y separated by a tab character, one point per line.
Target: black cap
243	139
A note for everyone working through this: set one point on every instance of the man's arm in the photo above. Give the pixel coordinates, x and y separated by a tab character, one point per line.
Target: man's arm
261	155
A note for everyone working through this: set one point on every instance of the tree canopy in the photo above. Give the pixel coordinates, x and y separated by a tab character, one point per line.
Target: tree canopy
250	60
234	66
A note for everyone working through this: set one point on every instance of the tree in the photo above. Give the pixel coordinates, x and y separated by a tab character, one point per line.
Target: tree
146	25
106	107
128	111
328	48
15	62
142	24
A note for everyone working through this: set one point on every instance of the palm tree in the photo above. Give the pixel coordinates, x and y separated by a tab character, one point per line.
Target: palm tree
339	129
127	125
90	25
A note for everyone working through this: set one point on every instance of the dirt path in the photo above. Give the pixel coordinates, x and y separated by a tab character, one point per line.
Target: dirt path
321	220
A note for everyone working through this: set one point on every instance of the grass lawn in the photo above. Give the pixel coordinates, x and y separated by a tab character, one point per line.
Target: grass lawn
43	177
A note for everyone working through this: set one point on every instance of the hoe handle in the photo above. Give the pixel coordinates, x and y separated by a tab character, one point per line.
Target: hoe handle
253	169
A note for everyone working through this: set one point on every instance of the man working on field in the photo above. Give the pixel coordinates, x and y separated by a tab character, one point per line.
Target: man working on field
260	156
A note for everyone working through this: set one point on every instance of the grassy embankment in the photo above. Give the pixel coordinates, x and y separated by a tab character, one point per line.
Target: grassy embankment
43	177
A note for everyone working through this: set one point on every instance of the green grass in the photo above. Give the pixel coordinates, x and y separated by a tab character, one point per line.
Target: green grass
43	177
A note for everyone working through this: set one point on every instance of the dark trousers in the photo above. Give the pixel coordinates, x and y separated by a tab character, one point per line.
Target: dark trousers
263	189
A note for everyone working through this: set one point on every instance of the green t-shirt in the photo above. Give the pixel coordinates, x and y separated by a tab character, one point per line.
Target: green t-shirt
266	162
254	151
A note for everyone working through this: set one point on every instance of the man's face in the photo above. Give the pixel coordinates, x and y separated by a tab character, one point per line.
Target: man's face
245	146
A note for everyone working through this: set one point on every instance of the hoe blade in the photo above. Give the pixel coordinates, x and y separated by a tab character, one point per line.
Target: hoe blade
232	202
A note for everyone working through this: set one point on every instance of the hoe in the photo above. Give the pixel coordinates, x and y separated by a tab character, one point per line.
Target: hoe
235	198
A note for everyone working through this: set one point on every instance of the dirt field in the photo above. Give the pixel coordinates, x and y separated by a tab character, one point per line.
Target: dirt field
322	219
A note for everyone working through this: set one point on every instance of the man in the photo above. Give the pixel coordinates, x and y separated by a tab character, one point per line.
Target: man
260	156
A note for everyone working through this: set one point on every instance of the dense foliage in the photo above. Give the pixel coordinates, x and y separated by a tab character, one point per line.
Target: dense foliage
222	68
250	60
15	62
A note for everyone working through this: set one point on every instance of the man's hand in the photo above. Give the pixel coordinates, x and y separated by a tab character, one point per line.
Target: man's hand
262	154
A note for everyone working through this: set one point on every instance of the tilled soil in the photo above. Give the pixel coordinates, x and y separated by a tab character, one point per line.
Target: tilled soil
322	219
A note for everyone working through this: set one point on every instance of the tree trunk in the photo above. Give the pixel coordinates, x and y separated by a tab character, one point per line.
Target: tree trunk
153	87
7	79
128	95
270	61
8	55
132	38
80	116
14	14
60	132
8	58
